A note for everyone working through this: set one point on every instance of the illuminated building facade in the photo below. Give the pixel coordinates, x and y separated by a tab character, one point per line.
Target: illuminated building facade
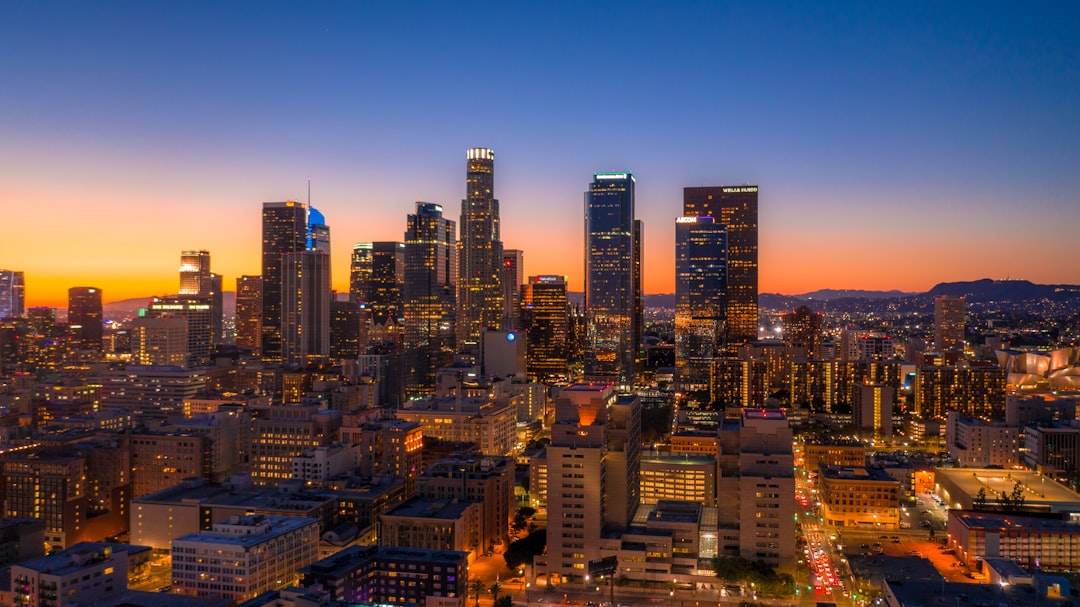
260	553
859	497
159	341
198	313
487	423
305	308
593	476
480	250
949	324
391	575
683	477
700	294
973	391
873	408
196	279
284	231
978	444
545	319
513	277
736	208
611	284
430	295
12	294
85	318
376	278
488	481
756	488
249	313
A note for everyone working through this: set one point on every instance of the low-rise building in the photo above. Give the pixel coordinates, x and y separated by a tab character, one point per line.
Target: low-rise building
1049	543
859	497
433	525
393	575
79	575
977	444
244	556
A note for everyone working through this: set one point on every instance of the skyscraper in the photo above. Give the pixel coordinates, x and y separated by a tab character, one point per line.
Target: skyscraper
376	277
612	287
700	293
12	294
305	308
85	318
481	250
249	313
284	231
545	318
949	324
195	273
430	295
197	279
737	210
513	277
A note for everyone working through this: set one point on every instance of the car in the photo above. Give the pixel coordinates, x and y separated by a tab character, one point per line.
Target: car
896	540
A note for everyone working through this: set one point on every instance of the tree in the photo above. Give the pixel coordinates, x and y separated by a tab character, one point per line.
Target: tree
521	552
1017	497
495	588
477	587
980	499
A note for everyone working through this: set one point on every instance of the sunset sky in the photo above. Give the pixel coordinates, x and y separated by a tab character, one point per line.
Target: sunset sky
896	145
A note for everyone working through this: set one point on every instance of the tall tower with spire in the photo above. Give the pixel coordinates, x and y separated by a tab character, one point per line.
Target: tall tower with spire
480	250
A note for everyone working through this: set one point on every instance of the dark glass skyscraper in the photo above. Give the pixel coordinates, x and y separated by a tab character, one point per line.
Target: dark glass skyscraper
85	318
284	231
545	318
376	277
249	313
481	250
700	294
737	209
430	295
612	286
513	278
305	308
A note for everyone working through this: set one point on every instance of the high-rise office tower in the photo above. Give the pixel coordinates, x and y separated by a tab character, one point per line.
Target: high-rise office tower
545	318
195	273
85	317
284	231
737	210
197	279
249	313
12	294
305	308
159	341
612	288
197	312
376	277
346	329
513	277
481	250
700	292
318	233
430	295
949	324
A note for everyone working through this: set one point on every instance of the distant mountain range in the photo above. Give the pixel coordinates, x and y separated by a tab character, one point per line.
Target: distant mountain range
984	291
981	291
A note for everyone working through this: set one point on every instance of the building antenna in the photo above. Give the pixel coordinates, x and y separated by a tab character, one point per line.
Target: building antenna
309	192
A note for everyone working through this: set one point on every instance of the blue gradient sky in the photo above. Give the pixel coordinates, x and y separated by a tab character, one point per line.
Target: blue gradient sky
896	145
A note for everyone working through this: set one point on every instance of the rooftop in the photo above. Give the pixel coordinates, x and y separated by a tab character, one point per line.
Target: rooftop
857	473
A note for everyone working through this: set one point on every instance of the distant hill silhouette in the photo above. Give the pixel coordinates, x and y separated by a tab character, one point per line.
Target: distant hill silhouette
1004	290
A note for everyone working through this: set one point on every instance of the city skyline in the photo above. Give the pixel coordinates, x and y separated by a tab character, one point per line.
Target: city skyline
895	146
